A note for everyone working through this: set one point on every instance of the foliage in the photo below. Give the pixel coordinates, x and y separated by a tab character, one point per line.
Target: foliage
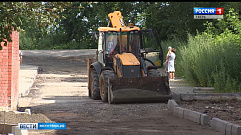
176	43
212	58
175	19
17	16
76	20
80	20
208	54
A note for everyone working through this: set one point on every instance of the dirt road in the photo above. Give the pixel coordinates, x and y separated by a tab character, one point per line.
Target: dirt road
60	93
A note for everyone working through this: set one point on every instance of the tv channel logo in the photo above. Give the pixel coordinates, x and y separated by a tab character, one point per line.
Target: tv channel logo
27	126
39	126
208	13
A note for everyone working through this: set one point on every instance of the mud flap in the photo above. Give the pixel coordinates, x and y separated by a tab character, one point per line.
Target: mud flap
141	89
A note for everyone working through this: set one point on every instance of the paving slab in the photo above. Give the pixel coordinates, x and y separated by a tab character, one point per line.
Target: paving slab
27	76
179	86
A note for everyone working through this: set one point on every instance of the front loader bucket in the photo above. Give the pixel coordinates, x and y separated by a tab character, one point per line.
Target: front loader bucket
141	89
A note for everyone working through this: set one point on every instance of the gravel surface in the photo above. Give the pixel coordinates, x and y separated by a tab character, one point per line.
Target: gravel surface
60	93
15	118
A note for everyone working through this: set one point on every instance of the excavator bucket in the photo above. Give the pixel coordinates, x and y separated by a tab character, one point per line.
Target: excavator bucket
141	89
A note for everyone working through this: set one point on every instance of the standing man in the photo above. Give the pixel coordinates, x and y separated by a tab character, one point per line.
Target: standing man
20	56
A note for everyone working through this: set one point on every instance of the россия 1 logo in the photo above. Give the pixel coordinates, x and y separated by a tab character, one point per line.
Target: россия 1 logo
208	13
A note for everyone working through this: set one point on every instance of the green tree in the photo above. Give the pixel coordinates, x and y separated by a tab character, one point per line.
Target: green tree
175	19
15	14
80	22
74	21
212	58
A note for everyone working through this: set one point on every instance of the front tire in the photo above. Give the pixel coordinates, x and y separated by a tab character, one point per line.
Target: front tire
94	85
104	84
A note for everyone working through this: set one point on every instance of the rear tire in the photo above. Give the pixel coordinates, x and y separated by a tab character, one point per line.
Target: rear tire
104	84
94	85
153	72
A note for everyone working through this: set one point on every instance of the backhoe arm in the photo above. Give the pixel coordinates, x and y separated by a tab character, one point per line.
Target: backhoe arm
116	20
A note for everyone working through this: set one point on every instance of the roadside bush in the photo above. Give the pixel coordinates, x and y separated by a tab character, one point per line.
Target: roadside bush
174	43
53	41
212	58
25	42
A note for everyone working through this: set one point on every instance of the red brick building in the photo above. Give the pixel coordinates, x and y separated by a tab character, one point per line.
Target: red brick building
9	73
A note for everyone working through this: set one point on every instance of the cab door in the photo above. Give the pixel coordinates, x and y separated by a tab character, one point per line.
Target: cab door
100	51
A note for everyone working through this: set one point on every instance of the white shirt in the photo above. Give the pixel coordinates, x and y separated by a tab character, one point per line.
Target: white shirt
171	57
20	54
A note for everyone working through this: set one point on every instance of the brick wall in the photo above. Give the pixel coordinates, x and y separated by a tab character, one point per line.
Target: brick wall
9	73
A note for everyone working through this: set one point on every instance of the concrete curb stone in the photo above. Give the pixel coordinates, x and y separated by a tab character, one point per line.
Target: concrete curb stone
191	115
203	89
28	111
175	111
16	131
225	127
195	116
186	113
181	112
176	96
236	129
204	119
219	125
171	104
216	124
228	130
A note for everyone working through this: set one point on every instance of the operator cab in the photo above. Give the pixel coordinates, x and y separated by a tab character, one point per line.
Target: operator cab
117	38
112	45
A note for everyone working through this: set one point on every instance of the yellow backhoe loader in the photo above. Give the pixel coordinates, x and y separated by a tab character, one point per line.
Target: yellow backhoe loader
120	73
